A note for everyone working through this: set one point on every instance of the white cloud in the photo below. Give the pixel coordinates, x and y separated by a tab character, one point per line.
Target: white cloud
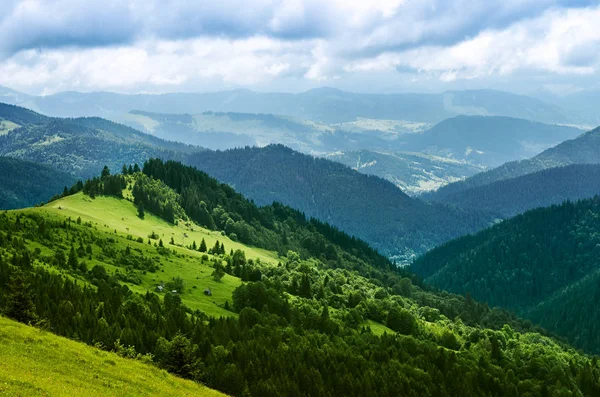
151	45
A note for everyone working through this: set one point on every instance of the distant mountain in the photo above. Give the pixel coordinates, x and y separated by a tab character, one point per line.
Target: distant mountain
323	105
412	172
488	141
544	264
365	206
510	197
584	149
24	184
80	147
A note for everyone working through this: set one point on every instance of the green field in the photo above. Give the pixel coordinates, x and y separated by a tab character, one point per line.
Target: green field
38	363
7	126
109	214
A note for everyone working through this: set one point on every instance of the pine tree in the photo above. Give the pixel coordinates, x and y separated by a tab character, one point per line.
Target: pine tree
194	246
136	168
19	301
124	170
222	249
72	263
105	172
130	170
202	246
140	209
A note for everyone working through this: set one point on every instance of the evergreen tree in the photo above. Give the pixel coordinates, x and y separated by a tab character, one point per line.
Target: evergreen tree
219	271
19	303
105	172
72	263
202	246
140	209
130	170
136	168
124	170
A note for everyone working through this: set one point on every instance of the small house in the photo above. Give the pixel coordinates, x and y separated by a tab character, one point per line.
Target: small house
160	288
208	292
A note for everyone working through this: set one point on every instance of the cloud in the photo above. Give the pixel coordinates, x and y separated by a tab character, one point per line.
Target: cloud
166	45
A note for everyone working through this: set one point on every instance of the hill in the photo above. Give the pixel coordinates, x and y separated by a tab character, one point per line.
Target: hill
489	141
368	207
37	363
330	317
414	173
80	147
584	149
24	184
325	105
513	196
542	264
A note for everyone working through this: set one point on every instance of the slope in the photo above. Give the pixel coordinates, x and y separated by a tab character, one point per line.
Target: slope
510	197
521	263
80	147
365	206
38	363
489	141
414	173
303	326
584	149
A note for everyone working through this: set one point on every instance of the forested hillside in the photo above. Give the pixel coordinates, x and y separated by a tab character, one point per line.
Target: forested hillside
513	196
365	206
489	141
328	317
24	184
543	264
584	149
80	147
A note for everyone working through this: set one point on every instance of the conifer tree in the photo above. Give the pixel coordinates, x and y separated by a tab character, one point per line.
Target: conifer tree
202	246
19	301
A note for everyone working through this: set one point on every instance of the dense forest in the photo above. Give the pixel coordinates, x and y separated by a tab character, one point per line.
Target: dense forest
584	149
300	327
25	184
365	206
510	197
542	264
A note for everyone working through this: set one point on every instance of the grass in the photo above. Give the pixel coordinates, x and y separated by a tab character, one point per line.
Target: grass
7	126
379	329
109	214
38	363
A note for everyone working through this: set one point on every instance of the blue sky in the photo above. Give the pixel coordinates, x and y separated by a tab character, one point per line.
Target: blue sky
293	45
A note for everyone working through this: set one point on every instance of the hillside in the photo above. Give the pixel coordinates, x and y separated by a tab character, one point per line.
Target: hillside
37	363
542	264
326	105
513	196
296	326
489	141
80	147
414	173
365	206
24	184
584	149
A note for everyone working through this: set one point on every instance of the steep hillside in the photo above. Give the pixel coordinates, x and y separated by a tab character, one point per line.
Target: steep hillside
330	317
414	173
365	206
535	264
80	147
24	184
513	196
489	141
326	105
584	149
37	363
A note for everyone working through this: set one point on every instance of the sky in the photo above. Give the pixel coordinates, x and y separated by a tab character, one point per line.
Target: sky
131	46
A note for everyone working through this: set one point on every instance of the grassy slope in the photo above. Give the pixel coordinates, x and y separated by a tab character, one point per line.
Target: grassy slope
37	363
108	214
7	126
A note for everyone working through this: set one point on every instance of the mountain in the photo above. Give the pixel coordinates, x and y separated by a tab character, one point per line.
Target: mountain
290	303
584	149
80	147
325	105
26	352
542	264
489	141
414	173
365	206
510	197
24	184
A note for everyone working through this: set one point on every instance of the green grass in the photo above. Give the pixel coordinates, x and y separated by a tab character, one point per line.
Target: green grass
38	363
109	214
7	126
379	329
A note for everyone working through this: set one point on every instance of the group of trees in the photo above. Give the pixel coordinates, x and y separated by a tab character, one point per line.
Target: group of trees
302	326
